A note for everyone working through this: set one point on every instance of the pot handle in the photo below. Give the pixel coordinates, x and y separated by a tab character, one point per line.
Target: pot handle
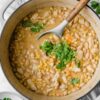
11	6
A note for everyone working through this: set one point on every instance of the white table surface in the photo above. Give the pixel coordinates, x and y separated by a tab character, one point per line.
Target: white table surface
4	84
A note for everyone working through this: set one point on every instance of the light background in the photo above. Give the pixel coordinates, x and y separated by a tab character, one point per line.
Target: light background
4	84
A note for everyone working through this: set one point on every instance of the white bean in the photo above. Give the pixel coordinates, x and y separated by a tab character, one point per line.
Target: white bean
90	69
64	78
90	41
86	45
76	69
79	54
81	20
62	86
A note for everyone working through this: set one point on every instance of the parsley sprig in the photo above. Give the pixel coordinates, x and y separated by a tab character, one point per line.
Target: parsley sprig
61	50
75	81
96	6
47	47
34	27
64	53
7	98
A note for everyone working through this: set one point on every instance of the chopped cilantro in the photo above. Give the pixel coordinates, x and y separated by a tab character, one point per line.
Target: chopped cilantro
78	63
94	4
47	47
27	23
61	65
61	50
37	27
34	27
98	9
64	53
75	81
7	98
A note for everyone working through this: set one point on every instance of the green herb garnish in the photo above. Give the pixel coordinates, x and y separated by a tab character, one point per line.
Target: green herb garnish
98	9
27	23
96	6
75	81
77	63
7	98
61	50
34	27
37	27
47	47
64	53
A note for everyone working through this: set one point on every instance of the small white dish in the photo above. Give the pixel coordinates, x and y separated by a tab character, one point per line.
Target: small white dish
12	96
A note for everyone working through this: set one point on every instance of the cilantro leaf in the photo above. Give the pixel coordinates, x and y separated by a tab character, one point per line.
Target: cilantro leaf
37	27
34	27
7	98
94	4
47	47
75	81
64	53
61	50
77	63
98	9
27	23
61	65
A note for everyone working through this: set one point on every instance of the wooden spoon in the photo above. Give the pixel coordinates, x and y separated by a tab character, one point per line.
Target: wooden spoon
58	31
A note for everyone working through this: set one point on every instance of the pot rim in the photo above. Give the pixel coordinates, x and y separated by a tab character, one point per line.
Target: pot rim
0	59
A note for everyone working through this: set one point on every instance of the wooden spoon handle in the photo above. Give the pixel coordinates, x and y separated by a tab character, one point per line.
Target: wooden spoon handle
76	9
